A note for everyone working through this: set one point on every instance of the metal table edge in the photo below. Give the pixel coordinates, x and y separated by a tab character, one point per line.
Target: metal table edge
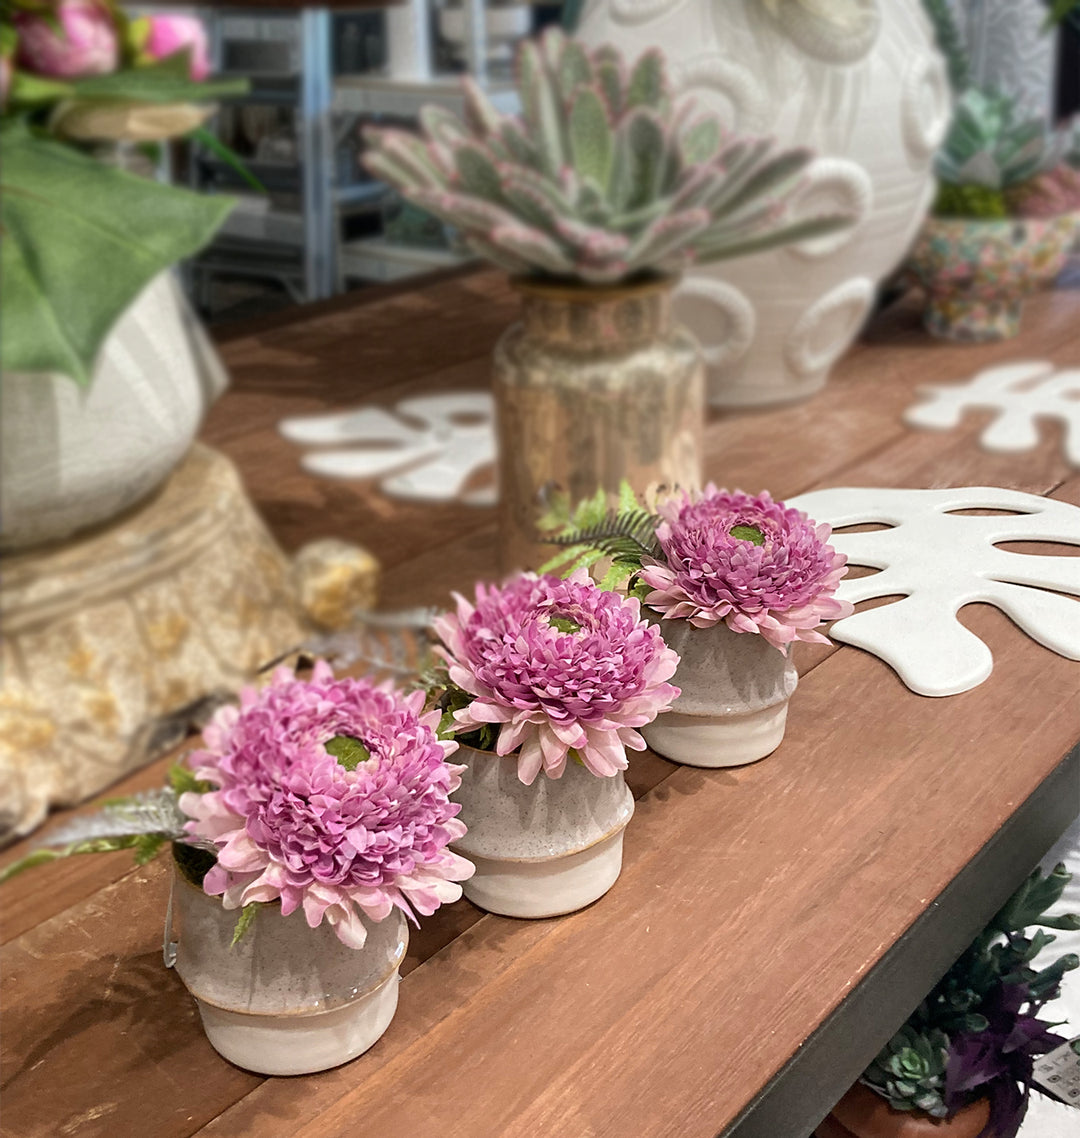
805	1089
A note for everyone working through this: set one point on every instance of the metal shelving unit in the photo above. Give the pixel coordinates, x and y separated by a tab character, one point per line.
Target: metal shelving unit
299	236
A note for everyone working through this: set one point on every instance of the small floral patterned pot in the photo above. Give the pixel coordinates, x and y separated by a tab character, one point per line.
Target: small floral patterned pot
539	850
735	691
287	999
863	1114
977	273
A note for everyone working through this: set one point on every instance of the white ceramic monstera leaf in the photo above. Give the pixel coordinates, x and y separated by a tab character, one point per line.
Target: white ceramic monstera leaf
938	561
428	449
1020	393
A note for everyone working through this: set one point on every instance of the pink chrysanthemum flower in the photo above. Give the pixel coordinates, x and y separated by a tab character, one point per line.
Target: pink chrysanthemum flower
290	821
561	665
750	562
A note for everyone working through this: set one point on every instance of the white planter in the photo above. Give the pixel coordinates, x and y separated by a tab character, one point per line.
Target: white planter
288	999
539	850
73	457
873	103
735	688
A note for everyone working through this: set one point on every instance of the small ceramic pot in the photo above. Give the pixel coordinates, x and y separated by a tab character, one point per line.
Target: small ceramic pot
735	688
977	273
288	999
539	850
863	1114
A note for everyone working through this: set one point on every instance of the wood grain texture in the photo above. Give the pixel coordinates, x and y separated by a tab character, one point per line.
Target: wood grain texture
751	900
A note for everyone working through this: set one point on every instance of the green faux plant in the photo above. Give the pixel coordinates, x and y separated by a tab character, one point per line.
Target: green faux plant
82	237
977	1033
603	177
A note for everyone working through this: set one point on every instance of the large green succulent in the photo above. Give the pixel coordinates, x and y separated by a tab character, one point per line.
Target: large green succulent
988	151
602	177
910	1071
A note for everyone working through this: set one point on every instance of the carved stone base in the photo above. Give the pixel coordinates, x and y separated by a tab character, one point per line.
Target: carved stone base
113	638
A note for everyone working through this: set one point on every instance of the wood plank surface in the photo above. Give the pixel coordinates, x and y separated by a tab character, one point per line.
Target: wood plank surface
751	900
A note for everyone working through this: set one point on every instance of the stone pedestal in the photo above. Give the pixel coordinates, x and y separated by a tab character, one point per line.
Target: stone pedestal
114	638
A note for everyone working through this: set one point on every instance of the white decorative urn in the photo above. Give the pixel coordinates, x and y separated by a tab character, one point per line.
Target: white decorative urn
540	850
859	81
73	457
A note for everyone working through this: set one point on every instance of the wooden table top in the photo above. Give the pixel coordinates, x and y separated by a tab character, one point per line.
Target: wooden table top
752	901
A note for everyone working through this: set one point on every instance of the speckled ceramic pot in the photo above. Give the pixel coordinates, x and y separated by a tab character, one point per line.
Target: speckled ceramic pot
977	273
539	850
863	1114
735	688
288	999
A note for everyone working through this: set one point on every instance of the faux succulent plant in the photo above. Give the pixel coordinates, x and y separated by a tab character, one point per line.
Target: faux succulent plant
989	150
978	1031
602	177
910	1071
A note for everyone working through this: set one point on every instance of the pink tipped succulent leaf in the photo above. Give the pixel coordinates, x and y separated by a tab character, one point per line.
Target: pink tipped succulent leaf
561	667
598	146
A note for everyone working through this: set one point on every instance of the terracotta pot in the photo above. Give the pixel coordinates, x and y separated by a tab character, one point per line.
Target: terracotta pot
735	688
863	1114
540	850
592	386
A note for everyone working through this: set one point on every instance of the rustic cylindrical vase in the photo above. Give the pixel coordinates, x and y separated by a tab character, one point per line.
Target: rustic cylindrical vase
592	386
539	850
863	1114
735	688
287	999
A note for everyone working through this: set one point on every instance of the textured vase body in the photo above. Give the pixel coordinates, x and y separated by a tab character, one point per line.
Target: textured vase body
539	850
592	386
863	1114
73	457
976	274
874	104
735	688
287	999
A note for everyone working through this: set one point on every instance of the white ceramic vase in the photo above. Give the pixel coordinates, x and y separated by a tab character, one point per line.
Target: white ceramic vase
872	100
287	999
74	457
540	850
735	688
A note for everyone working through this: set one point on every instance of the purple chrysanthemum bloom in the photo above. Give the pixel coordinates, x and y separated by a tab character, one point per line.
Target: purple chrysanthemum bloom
562	666
750	562
291	821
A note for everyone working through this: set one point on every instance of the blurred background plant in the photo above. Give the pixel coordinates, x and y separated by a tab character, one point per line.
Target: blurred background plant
81	87
997	160
604	177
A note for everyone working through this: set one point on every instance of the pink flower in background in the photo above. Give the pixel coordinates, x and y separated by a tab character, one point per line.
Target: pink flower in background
170	34
84	43
561	665
750	562
291	821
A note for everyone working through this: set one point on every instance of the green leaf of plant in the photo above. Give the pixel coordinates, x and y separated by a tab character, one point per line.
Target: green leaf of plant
94	845
148	846
348	751
165	82
592	141
244	922
28	90
81	241
748	533
182	779
211	142
564	624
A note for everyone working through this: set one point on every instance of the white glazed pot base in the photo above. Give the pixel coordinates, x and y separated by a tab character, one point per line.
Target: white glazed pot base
547	887
301	1044
717	740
